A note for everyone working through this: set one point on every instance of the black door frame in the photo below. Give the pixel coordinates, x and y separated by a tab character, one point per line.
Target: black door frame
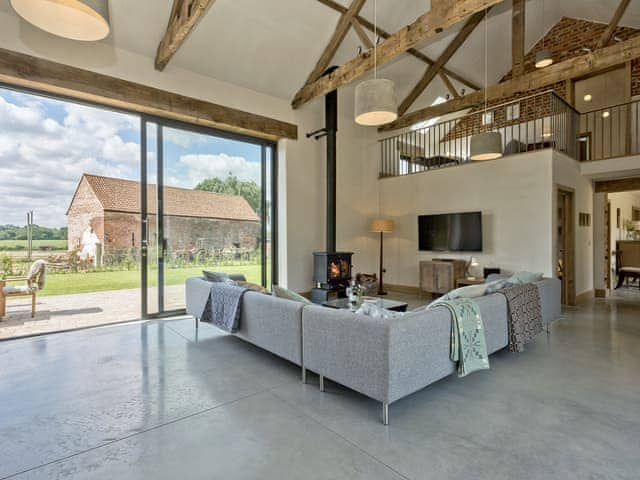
272	159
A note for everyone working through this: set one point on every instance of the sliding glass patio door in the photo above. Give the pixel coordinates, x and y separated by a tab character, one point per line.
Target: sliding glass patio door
208	202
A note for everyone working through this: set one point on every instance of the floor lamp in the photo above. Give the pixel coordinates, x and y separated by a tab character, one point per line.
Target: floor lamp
381	226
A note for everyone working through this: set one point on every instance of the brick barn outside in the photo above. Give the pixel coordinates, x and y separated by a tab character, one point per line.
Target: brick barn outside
194	219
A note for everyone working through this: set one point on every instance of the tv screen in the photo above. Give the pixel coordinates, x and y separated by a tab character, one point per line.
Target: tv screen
450	232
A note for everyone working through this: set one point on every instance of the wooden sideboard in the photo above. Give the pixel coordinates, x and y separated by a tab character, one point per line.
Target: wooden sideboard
438	276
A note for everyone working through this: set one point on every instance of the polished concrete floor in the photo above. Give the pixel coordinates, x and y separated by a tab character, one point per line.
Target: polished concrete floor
149	400
81	310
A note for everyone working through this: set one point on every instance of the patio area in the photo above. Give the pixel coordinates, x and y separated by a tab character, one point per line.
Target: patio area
65	312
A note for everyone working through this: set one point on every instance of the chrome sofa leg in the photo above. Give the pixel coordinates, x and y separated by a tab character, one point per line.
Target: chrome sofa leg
304	375
385	413
322	383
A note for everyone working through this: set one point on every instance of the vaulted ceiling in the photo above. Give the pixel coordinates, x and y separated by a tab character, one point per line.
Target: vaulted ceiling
272	46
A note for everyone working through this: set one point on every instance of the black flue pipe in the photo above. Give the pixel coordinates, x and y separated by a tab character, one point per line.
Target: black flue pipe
331	125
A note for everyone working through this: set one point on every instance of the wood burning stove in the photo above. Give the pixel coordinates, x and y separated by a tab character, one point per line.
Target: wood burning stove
331	275
331	269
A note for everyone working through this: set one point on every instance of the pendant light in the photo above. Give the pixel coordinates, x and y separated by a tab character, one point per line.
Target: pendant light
376	103
544	58
486	145
86	20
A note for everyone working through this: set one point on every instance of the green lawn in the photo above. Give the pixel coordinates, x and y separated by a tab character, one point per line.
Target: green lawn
15	245
60	284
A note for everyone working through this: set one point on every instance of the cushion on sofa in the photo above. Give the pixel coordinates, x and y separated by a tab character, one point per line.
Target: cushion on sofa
372	310
223	276
470	291
253	287
524	277
285	293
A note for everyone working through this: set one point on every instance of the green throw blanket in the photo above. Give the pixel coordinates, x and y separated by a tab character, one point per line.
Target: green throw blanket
468	345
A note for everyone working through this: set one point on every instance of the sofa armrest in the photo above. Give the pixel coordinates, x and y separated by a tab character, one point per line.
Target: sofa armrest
197	291
348	348
550	297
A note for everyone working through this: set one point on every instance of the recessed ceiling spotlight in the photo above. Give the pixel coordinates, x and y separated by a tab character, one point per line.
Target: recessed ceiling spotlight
587	97
605	114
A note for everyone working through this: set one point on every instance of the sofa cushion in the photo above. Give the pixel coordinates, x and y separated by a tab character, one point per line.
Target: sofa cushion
282	292
223	276
370	309
253	287
470	291
524	277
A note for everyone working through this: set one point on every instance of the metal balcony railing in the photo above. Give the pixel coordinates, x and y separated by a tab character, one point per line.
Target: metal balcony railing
609	132
539	121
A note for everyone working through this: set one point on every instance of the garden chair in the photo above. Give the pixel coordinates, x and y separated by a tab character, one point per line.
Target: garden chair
35	281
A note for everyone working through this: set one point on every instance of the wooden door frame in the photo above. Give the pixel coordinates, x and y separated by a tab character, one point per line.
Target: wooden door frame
569	243
607	210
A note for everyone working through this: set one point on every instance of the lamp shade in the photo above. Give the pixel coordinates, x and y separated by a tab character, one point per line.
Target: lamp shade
381	225
376	102
544	58
486	146
86	20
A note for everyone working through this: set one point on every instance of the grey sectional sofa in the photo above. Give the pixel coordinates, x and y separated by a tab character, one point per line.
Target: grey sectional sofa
274	324
383	359
389	359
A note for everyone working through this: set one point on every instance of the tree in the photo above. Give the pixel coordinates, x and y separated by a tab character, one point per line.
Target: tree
232	186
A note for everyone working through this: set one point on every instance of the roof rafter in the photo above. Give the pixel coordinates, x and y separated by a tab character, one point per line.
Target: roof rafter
362	35
185	15
445	14
412	51
434	69
517	37
344	23
607	35
575	67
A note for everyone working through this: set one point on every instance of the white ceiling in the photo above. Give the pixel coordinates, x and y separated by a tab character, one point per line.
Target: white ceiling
270	46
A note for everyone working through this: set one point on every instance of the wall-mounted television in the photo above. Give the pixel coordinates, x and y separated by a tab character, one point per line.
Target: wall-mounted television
450	232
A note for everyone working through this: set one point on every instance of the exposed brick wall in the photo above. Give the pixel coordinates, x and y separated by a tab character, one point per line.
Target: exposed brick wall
85	211
565	40
117	230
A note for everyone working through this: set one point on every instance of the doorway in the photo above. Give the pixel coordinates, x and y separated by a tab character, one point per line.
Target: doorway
566	245
208	202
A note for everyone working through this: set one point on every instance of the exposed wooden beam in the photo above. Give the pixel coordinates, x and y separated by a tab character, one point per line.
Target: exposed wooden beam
449	85
448	13
412	51
336	39
613	24
618	185
517	37
185	15
434	69
575	67
20	70
362	35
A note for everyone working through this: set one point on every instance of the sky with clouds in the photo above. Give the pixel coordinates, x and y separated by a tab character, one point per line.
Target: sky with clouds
46	145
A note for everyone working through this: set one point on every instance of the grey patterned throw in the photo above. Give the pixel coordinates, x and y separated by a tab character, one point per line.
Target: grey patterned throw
525	314
468	344
223	306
